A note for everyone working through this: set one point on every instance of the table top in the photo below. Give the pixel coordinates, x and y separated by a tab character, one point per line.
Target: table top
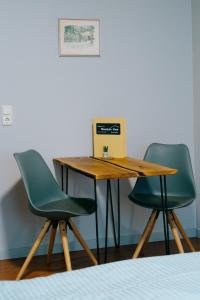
144	168
95	168
113	168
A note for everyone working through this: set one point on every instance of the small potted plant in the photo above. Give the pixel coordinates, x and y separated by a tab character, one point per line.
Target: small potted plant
105	151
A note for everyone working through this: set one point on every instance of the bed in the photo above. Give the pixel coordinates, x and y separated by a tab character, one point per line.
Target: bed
167	277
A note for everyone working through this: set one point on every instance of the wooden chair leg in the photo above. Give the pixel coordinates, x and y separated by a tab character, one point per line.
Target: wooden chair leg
82	242
63	233
152	227
51	241
175	232
148	229
183	233
34	249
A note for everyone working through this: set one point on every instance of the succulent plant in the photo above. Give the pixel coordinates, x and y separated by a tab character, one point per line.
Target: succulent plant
105	148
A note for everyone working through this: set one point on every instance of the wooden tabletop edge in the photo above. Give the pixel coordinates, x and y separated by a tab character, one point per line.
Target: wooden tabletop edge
132	173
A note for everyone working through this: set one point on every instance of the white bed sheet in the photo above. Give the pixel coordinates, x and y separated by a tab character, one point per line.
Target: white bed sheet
167	277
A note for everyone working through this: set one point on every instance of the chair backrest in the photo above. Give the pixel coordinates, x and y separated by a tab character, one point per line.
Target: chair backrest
176	156
38	180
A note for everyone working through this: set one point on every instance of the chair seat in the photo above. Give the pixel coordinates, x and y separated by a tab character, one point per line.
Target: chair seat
154	201
66	208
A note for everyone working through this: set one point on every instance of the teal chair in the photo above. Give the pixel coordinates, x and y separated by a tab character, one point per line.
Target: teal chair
180	191
47	200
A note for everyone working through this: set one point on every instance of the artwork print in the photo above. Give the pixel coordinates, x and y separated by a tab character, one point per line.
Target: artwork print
78	37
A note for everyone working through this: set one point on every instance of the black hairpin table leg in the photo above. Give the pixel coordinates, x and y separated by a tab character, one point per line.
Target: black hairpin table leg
164	212
62	177
106	234
109	199
96	221
112	214
118	211
67	179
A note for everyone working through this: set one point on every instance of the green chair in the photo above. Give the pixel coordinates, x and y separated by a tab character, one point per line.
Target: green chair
180	191
46	199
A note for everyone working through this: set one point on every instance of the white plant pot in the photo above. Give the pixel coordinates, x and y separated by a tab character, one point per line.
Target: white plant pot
105	154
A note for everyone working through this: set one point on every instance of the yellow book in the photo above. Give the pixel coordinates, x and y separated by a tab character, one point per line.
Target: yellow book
111	133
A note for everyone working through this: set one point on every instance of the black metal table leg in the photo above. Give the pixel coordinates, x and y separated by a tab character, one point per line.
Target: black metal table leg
67	179
109	199
118	211
96	221
112	214
164	216
62	178
106	234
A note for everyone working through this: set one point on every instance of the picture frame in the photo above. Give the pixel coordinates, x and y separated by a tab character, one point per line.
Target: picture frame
79	37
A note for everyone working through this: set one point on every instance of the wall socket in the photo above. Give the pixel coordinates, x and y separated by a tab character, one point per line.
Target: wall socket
7	115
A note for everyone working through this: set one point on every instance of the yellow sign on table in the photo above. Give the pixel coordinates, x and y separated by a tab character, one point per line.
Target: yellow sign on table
109	134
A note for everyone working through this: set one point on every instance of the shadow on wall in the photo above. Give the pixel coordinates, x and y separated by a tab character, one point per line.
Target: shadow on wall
20	226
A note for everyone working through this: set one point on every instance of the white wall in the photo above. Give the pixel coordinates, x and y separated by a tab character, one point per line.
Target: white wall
144	74
196	85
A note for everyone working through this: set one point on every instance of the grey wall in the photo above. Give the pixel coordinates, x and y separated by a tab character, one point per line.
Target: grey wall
144	74
196	80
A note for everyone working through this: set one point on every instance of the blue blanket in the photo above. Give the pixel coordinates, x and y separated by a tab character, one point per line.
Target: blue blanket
167	277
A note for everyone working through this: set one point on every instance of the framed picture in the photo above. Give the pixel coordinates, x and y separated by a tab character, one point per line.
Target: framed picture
78	37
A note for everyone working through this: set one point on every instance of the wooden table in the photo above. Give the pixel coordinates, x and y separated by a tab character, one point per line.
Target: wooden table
142	167
116	168
96	168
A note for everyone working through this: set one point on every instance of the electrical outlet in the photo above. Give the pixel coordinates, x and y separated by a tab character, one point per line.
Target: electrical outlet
7	115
